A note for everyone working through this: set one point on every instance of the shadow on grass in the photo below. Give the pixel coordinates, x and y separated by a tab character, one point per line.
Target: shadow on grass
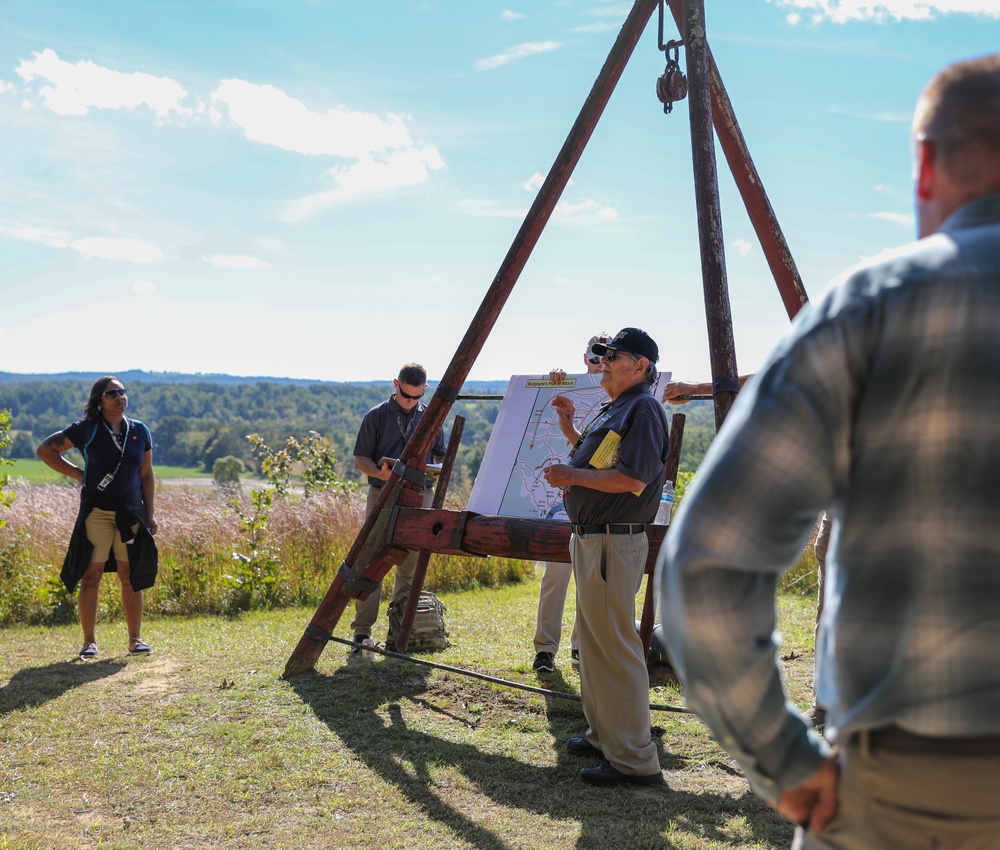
34	686
363	705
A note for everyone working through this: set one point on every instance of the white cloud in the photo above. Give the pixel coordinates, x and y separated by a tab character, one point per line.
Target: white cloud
893	192
510	15
72	89
905	219
272	117
534	183
742	247
236	261
143	287
518	51
582	212
369	175
587	211
52	238
887	117
842	11
117	248
101	247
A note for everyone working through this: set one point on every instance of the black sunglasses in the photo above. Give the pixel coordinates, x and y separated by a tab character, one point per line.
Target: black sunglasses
112	393
612	354
407	395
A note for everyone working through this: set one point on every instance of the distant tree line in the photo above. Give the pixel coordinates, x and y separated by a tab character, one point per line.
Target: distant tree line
196	423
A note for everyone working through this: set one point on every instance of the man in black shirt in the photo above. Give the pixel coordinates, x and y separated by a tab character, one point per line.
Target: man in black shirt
384	432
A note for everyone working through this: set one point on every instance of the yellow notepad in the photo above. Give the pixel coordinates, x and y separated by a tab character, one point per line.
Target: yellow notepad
606	456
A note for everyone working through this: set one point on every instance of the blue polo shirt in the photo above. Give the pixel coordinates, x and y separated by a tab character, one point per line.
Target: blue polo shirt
638	419
101	454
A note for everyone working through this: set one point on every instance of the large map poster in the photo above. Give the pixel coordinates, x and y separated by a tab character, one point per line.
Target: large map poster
526	438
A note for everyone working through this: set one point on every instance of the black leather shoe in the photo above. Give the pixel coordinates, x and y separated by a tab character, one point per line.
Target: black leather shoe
605	775
545	662
582	747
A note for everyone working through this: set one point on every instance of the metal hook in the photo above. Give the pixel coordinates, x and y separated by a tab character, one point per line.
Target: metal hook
672	85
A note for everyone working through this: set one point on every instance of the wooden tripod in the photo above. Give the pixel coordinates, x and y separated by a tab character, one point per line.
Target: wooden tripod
398	525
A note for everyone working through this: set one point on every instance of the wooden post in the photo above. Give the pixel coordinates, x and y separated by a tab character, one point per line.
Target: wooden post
722	349
423	559
370	556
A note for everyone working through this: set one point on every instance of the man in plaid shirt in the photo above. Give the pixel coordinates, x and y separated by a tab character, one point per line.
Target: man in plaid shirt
881	406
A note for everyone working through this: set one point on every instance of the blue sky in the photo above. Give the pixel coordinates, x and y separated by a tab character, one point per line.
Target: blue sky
326	189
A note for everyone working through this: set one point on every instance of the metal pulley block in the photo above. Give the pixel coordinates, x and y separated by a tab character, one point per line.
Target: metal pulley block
671	86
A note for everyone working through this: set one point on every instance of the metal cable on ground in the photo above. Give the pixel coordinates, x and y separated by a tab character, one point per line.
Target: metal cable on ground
462	672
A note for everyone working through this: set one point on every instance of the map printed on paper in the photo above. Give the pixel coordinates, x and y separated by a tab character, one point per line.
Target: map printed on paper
526	438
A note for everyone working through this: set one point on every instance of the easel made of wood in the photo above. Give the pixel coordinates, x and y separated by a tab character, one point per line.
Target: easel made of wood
398	524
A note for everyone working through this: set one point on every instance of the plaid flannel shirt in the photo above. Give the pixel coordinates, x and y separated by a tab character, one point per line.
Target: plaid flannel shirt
881	406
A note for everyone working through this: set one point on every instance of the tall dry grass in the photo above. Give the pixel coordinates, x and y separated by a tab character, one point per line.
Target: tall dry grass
209	561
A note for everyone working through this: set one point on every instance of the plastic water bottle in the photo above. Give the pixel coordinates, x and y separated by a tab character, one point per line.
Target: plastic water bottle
666	504
366	653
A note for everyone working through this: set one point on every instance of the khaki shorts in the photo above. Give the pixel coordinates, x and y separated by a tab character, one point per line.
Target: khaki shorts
103	533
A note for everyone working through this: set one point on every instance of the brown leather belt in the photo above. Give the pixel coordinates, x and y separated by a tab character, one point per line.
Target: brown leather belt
893	739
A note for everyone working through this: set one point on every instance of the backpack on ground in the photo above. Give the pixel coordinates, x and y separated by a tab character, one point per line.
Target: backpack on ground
428	629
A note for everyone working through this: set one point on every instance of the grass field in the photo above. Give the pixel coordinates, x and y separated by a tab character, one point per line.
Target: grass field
202	745
34	471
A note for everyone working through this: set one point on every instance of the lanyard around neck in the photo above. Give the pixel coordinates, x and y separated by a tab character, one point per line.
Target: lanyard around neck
597	420
119	443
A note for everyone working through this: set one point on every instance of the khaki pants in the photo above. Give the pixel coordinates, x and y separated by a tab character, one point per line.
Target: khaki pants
102	532
366	611
551	603
614	681
903	801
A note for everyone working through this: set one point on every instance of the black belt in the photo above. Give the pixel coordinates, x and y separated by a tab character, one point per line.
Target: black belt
425	487
896	740
633	528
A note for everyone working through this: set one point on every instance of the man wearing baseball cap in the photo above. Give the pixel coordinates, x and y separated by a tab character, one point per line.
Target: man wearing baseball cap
612	481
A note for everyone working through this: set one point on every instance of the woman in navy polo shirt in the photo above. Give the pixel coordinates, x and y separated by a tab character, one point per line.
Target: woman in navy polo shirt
114	528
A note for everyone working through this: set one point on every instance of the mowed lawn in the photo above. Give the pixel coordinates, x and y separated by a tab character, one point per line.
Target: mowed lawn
203	745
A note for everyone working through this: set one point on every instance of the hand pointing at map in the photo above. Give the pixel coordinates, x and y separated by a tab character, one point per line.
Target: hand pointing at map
566	411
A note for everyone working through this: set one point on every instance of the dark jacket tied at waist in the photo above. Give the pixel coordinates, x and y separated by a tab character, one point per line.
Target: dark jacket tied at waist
143	558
